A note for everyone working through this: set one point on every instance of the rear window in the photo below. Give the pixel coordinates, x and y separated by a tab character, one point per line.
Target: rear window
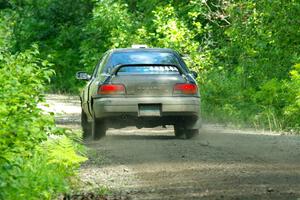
148	70
119	58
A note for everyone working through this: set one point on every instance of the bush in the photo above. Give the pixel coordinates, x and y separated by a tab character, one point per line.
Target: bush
47	173
30	164
291	111
21	88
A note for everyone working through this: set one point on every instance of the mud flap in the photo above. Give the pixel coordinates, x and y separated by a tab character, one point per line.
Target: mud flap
194	125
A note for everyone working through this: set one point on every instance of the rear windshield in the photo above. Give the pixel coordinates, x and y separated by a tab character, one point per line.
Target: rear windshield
119	58
148	70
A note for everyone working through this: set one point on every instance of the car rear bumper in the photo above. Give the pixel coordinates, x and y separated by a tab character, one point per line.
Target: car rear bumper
169	106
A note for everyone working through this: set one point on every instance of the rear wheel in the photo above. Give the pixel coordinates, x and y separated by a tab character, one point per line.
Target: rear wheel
86	126
98	129
184	133
179	132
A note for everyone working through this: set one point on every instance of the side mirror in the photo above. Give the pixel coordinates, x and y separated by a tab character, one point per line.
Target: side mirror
194	74
83	76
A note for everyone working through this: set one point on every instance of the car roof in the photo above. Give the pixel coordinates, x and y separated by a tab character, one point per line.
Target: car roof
143	50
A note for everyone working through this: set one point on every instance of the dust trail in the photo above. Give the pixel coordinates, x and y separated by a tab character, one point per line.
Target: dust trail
219	164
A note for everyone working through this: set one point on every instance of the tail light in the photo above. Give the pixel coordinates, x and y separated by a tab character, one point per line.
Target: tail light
185	88
111	89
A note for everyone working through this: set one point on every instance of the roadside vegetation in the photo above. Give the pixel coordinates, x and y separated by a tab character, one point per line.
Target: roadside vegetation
247	54
37	160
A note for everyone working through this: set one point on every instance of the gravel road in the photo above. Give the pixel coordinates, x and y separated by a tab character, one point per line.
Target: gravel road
220	164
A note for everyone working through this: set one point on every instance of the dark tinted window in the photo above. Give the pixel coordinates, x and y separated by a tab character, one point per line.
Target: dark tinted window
145	57
148	70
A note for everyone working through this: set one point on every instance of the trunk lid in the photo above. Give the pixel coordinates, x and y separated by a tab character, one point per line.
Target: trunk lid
148	85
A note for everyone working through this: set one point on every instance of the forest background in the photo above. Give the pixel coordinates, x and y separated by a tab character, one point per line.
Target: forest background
247	55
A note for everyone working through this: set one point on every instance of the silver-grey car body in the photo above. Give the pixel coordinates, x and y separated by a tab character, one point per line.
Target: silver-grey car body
142	87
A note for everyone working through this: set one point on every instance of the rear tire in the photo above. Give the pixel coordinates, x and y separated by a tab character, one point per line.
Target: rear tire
179	132
183	133
98	129
86	126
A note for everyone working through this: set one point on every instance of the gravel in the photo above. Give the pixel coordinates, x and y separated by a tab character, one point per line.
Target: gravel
221	163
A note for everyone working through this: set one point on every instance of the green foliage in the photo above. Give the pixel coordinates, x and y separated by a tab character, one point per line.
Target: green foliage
243	50
21	86
171	32
45	174
105	31
5	30
246	54
182	26
31	165
56	26
291	110
60	151
256	55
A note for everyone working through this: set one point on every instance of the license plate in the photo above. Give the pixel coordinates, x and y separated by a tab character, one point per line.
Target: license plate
149	110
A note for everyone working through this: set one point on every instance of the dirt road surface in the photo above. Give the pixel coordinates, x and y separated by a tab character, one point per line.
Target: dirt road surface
220	164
